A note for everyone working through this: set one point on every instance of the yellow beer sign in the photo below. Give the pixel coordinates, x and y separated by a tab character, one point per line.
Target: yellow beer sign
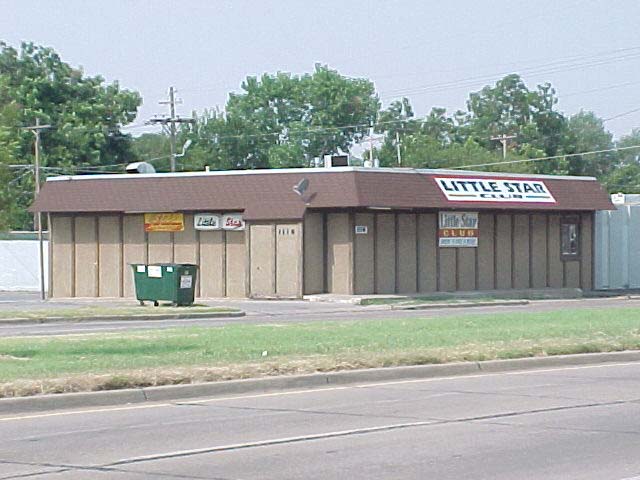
163	222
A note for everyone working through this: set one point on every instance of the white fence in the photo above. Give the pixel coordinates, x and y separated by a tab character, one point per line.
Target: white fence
19	265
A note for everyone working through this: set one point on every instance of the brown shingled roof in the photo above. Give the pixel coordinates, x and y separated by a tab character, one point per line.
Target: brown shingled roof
263	195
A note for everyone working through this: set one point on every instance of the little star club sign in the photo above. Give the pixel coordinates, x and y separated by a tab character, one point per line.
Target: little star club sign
458	189
458	229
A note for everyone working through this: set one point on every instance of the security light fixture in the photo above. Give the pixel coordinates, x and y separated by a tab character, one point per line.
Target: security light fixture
186	145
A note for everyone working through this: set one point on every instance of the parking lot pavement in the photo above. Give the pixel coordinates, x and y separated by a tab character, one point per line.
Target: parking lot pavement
268	311
31	301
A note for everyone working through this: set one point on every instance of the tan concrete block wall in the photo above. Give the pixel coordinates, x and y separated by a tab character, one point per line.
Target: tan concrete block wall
447	269
406	255
385	241
110	256
466	261
521	251
486	251
538	251
89	258
236	261
62	256
503	251
572	274
160	247
364	254
134	249
339	254
185	248
186	243
555	264
289	259
586	252
427	225
313	253
263	261
212	264
86	257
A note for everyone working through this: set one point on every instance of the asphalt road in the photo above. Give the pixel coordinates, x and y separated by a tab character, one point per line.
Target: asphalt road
577	423
280	312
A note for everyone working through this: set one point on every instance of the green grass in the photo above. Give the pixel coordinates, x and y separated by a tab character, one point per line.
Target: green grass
98	311
89	362
471	297
429	299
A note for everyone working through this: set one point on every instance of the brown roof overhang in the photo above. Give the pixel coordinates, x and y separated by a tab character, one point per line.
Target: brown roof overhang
269	195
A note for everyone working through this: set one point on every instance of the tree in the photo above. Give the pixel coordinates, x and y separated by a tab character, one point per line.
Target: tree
153	148
511	108
8	157
397	121
287	120
625	175
586	133
85	114
434	132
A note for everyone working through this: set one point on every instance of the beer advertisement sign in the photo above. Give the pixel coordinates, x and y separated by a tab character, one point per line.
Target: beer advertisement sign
206	221
232	221
163	222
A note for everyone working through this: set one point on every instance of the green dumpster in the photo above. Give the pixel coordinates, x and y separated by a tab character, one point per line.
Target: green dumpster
171	282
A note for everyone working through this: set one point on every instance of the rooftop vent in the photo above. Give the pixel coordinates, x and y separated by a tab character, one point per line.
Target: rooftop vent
140	167
336	161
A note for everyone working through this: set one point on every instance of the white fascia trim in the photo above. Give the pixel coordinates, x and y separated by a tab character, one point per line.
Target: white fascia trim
215	173
309	170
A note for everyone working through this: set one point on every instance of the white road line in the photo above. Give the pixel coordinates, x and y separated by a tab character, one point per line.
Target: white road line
339	433
275	441
311	391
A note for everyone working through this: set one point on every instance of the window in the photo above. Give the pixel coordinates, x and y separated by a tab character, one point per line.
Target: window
570	238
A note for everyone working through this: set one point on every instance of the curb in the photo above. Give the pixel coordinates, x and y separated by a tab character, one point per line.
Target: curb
106	318
9	406
429	306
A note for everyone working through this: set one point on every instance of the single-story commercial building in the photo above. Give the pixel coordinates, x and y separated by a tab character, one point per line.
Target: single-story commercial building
344	230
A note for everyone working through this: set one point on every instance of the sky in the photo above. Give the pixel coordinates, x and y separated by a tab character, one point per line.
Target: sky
433	52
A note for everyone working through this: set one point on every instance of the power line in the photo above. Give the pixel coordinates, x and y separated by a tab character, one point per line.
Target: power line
620	115
553	157
551	67
599	89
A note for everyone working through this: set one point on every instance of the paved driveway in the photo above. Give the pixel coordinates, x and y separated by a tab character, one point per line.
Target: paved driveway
263	311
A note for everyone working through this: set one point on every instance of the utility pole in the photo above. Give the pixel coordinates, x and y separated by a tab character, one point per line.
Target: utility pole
504	139
398	148
170	123
372	138
371	145
36	131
